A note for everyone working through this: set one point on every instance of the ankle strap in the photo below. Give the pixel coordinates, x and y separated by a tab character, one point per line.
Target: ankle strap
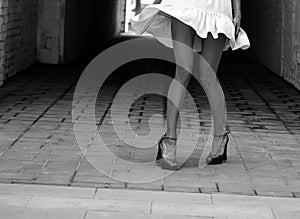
227	132
166	137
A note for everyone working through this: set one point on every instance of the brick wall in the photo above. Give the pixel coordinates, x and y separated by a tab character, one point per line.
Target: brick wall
291	43
87	27
274	31
262	20
18	26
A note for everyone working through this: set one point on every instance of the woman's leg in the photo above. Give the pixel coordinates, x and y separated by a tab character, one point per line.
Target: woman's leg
211	52
184	56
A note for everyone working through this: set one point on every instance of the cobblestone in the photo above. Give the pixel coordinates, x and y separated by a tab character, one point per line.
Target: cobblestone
38	144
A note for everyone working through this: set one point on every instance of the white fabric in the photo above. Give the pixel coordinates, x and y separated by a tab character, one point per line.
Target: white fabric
203	16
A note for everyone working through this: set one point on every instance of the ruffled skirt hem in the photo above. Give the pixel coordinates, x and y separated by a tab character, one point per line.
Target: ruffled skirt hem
156	20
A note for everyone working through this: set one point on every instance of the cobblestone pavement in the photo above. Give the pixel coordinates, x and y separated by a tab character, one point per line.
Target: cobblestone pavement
44	201
38	144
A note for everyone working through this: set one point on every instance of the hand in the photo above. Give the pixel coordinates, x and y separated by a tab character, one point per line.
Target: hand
237	24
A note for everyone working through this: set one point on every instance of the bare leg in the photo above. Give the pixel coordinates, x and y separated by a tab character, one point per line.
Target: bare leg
184	56
212	52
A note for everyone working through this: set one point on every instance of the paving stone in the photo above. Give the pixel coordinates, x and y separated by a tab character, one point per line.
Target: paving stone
261	117
295	183
89	204
274	194
45	190
210	210
282	214
152	196
114	215
26	213
296	194
236	188
262	201
53	179
5	180
14	200
94	179
209	190
181	189
87	184
152	186
275	188
119	185
10	166
177	180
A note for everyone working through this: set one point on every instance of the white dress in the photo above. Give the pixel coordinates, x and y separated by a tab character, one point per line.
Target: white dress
214	16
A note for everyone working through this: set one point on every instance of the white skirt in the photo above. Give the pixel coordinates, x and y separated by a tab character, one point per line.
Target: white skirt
214	16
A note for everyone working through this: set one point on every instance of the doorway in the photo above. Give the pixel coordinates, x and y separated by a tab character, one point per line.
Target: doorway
134	7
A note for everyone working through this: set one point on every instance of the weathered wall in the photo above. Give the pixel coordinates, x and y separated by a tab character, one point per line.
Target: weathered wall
291	45
18	28
89	26
262	20
273	27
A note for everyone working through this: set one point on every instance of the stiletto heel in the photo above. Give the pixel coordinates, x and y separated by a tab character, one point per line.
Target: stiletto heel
159	154
221	154
166	159
225	153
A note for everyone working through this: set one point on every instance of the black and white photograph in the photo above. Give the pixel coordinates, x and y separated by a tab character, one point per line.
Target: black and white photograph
150	109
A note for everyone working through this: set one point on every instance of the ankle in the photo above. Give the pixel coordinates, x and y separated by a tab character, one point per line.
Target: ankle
170	142
171	134
220	132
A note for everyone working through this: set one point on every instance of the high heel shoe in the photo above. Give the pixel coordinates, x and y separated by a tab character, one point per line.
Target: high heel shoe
166	158
221	154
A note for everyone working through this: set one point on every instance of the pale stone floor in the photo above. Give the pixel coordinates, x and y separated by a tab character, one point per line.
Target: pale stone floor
44	201
38	144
